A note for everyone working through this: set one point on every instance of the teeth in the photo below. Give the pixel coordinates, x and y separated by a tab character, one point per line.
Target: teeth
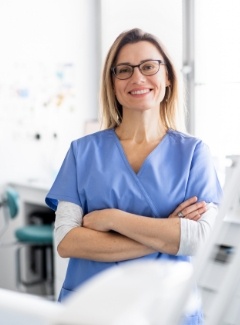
138	92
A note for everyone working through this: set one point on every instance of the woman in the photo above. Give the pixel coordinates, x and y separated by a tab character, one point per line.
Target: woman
140	188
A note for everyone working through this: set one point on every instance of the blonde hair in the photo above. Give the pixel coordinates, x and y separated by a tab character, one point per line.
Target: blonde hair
171	109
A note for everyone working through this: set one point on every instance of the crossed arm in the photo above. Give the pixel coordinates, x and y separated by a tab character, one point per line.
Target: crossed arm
113	235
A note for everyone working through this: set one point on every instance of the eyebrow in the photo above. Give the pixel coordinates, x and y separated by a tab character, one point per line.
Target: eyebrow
142	61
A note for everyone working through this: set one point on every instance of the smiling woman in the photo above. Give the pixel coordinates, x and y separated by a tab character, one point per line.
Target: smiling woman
147	173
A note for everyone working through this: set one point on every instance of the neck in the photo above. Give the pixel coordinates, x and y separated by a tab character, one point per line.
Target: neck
141	131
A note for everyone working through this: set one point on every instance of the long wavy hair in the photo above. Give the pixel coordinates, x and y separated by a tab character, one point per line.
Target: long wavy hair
172	110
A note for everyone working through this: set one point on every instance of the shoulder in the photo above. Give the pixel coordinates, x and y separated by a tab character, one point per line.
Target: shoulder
186	143
185	140
95	137
181	137
92	141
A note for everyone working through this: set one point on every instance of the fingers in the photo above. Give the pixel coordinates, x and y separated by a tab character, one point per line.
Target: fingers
195	214
191	209
194	210
186	203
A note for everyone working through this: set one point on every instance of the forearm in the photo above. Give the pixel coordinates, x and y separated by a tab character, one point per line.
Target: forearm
89	244
172	235
162	235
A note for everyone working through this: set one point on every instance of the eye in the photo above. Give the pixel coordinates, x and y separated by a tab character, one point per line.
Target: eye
124	69
148	66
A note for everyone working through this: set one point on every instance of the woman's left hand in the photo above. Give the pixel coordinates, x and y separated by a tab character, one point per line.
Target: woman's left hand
190	209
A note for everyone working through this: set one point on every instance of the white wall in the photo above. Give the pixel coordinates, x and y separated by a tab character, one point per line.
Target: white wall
50	60
160	17
48	82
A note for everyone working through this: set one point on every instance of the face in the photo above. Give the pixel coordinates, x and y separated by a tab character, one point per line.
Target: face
141	92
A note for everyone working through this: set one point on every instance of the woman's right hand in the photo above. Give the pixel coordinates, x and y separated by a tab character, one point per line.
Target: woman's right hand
190	209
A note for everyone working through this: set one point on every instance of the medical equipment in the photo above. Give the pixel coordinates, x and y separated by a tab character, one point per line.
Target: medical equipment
32	241
217	266
9	203
26	309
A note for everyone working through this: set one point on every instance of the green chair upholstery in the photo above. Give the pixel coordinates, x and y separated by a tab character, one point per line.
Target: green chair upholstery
35	234
11	199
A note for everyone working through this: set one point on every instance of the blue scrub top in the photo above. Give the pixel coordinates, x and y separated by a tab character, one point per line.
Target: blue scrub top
96	175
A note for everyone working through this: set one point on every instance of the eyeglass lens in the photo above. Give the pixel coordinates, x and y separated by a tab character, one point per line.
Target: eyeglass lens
148	68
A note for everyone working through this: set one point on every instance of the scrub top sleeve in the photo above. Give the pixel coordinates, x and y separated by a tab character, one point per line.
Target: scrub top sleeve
203	180
64	187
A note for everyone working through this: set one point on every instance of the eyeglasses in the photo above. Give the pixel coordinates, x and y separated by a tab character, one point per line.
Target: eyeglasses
147	68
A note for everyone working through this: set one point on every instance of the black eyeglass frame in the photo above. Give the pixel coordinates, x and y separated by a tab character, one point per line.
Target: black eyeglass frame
113	69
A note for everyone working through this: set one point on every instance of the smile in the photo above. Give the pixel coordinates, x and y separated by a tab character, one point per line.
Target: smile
139	92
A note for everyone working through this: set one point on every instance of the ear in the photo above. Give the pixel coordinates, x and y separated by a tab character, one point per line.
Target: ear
168	83
113	87
168	92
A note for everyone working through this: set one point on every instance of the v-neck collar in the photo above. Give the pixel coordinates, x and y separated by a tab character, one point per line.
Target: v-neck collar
124	157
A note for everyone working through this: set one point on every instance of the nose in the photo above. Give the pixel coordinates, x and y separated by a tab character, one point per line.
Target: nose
137	74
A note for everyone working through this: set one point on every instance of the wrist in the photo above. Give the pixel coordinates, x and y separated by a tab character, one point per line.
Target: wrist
112	219
117	219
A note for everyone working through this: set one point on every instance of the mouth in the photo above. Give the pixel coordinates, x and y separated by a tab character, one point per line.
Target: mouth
140	91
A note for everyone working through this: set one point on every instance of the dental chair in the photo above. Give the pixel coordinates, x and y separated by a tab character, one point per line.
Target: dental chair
136	293
36	238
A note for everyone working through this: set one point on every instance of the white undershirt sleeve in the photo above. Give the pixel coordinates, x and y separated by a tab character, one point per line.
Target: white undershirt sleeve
195	233
68	216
